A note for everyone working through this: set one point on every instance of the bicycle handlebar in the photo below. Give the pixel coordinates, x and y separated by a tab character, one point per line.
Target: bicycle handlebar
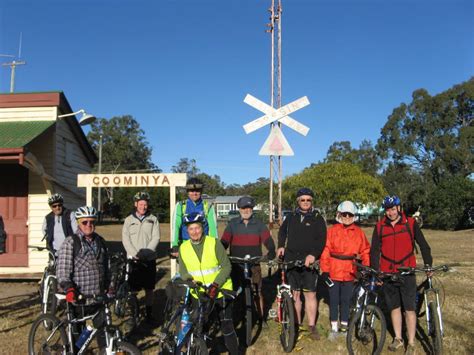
295	263
426	268
201	289
254	260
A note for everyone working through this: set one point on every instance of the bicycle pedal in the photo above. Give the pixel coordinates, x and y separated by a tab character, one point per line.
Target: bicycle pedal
299	348
161	336
272	313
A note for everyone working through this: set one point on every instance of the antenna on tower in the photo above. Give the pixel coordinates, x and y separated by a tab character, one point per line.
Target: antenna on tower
13	64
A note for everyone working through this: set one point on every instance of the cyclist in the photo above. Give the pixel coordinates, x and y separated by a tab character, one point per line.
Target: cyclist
58	224
204	259
245	235
83	267
345	243
193	204
140	238
302	236
393	245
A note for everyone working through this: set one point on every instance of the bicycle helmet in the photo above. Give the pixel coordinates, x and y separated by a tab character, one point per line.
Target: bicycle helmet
193	217
390	201
304	192
194	184
142	195
56	198
86	212
347	206
245	202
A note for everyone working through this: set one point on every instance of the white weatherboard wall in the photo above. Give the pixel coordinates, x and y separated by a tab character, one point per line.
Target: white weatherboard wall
50	150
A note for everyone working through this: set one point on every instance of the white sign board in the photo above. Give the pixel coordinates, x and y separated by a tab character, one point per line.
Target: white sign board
276	144
272	114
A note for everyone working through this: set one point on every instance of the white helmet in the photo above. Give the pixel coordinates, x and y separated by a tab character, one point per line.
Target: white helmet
86	212
346	207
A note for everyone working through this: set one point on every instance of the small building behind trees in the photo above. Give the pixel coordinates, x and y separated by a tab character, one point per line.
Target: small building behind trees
40	154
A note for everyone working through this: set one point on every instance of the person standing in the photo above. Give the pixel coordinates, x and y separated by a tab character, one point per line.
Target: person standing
193	204
58	224
204	259
345	243
393	246
246	236
83	267
302	236
140	238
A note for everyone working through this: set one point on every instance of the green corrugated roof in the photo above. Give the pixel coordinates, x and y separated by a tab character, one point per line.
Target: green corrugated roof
18	134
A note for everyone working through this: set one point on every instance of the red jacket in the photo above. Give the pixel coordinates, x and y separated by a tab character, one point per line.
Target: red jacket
344	242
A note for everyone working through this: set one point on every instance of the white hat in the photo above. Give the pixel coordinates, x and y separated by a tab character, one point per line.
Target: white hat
346	206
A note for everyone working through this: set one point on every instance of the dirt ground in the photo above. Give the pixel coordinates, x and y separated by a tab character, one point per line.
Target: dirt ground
19	301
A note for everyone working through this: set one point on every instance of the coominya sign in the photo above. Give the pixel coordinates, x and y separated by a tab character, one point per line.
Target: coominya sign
130	180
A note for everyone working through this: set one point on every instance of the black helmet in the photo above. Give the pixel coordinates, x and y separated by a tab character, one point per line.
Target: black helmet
304	192
142	195
246	201
194	217
56	198
194	184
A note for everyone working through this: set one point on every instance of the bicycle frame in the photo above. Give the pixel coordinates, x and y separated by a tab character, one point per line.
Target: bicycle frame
369	297
282	288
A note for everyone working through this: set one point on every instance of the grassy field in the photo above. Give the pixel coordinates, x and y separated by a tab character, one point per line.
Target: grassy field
19	302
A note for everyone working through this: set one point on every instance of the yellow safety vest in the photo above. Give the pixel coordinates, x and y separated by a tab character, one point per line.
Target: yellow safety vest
206	269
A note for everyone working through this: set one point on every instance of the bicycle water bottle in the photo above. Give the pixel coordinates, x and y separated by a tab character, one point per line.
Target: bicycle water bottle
185	325
372	285
86	332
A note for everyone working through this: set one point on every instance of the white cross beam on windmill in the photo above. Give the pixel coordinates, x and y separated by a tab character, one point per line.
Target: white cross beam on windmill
276	143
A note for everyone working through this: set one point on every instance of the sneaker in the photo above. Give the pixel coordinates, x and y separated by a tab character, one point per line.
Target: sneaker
343	328
314	333
396	344
333	336
411	349
302	328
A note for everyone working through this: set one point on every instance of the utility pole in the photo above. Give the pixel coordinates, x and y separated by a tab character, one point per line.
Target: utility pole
99	198
13	64
274	28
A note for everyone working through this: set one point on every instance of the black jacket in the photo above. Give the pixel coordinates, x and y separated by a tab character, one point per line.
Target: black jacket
302	235
66	224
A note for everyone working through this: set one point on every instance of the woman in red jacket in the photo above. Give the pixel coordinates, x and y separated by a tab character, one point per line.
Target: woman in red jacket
345	243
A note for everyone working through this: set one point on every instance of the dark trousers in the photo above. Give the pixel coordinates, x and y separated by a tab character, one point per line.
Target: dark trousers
339	300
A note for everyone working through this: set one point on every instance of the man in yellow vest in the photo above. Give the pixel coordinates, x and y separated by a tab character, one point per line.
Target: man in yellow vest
204	259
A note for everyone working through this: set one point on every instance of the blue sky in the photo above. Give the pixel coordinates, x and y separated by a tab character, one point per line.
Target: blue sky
183	67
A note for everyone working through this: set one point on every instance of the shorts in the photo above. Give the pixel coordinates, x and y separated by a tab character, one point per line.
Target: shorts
143	276
237	275
302	279
398	294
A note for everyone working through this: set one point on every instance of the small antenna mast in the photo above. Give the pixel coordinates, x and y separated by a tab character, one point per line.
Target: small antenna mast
13	64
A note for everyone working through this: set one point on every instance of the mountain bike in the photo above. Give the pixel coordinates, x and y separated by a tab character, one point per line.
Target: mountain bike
57	337
252	307
367	325
126	304
431	300
285	313
186	330
49	283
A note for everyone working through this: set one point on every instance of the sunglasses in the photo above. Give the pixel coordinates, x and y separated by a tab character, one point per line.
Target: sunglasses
306	200
347	214
56	205
90	223
194	190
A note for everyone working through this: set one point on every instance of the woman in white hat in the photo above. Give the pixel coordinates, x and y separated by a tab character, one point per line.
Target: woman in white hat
345	243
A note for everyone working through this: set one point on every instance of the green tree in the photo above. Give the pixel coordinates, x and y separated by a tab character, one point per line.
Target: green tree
365	156
434	134
332	183
186	166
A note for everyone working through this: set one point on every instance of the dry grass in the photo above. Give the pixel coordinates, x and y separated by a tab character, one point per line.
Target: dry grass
19	302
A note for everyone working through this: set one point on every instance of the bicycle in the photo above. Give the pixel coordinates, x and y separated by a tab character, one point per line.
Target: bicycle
49	283
126	304
58	336
431	299
252	296
286	314
185	331
367	326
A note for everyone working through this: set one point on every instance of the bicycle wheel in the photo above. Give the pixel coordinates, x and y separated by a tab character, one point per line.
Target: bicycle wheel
128	309
198	347
45	337
435	329
288	323
123	347
366	332
248	316
50	304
